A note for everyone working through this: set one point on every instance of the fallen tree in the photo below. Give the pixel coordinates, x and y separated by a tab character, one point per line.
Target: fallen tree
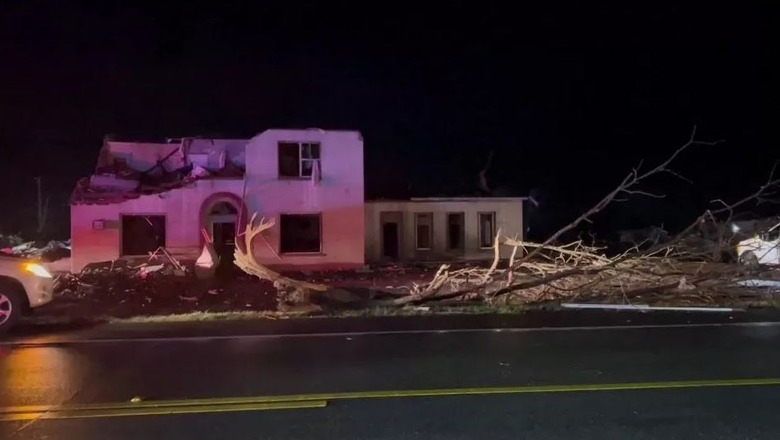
289	290
551	271
548	272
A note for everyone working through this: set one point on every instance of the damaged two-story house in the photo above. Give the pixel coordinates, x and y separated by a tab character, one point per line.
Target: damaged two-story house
149	195
177	194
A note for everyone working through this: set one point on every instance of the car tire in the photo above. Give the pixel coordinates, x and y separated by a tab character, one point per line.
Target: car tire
749	259
11	306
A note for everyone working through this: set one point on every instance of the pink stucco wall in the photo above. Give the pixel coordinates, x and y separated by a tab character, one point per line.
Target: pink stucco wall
338	196
180	206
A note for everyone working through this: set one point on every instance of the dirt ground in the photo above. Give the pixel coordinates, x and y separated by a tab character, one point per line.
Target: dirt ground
118	291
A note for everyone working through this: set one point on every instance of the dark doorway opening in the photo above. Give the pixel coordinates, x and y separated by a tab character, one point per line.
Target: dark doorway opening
390	248
456	231
222	219
224	234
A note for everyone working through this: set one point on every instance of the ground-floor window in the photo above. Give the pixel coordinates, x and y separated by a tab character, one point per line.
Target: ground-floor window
142	234
487	229
300	233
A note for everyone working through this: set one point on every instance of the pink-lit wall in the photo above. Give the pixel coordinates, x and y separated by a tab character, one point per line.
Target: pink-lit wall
338	196
181	207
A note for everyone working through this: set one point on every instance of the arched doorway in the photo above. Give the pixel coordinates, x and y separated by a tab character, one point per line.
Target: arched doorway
221	220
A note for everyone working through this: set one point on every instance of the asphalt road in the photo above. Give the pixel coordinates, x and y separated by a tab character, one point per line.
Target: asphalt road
702	381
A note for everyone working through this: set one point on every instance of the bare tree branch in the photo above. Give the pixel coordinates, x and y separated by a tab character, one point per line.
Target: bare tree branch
625	187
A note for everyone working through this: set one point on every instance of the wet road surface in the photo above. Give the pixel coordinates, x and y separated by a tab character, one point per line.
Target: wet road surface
427	384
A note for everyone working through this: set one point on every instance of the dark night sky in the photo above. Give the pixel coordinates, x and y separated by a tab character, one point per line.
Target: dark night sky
568	95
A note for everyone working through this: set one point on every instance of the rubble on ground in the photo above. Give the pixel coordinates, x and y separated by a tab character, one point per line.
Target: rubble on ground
124	288
134	287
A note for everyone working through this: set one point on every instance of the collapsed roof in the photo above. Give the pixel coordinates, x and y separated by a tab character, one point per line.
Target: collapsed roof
128	170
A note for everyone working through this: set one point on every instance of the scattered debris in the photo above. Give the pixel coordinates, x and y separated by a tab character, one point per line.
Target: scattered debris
206	264
762	248
49	251
146	270
173	261
759	283
9	241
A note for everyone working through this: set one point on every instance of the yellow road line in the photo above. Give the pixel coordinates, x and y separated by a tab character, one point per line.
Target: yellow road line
162	405
128	411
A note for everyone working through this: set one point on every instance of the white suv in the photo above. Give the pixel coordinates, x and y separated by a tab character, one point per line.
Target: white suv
24	285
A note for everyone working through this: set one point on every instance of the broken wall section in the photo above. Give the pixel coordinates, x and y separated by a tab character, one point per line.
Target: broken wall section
126	170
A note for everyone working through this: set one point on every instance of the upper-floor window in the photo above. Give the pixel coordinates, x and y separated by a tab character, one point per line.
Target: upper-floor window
298	159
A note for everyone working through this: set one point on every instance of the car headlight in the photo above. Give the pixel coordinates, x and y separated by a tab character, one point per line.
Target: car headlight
37	270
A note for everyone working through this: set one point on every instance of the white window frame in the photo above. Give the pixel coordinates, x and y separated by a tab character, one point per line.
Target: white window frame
301	160
492	215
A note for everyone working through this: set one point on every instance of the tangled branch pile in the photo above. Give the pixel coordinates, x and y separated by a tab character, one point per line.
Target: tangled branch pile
549	271
576	272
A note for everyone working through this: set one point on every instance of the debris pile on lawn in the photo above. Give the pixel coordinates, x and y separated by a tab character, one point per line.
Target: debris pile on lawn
125	288
51	251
